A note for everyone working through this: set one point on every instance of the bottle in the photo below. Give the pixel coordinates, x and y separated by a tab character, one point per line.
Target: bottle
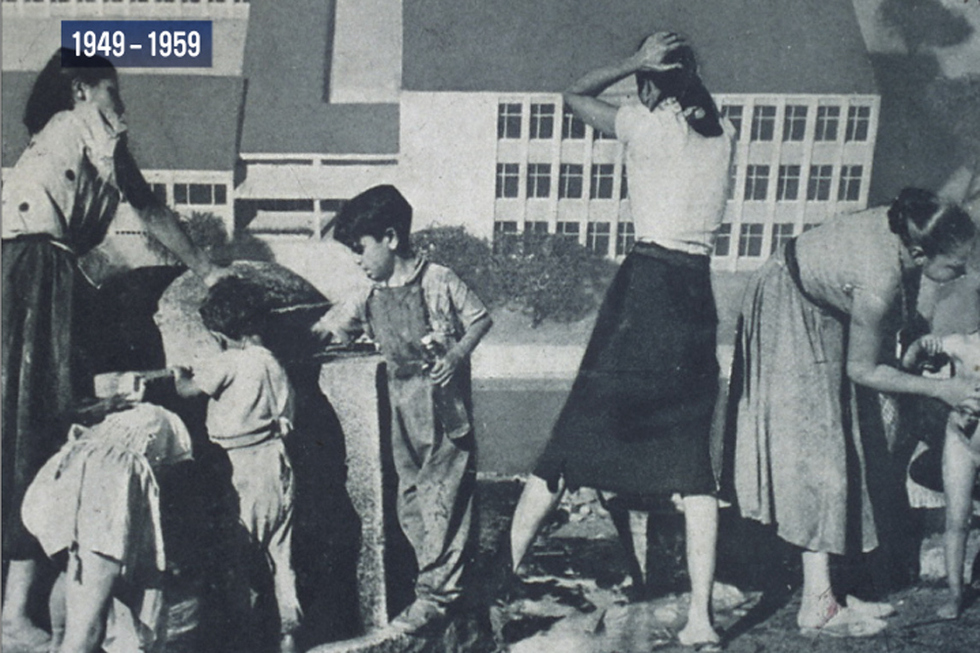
449	407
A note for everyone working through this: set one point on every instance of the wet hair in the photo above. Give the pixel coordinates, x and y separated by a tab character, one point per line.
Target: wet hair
235	308
686	87
52	90
373	213
923	220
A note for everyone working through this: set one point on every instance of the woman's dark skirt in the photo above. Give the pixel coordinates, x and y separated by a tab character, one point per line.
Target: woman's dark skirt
41	371
638	418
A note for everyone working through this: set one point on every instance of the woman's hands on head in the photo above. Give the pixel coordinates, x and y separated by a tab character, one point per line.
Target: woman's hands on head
655	49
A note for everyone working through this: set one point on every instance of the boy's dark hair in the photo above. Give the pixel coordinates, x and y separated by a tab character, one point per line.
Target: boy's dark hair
235	308
52	90
373	213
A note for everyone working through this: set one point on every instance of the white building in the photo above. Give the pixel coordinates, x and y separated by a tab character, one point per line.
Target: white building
458	103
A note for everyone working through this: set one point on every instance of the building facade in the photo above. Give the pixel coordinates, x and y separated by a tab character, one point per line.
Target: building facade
458	103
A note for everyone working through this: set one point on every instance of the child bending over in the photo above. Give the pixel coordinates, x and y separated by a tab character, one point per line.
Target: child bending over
250	410
95	506
961	450
427	323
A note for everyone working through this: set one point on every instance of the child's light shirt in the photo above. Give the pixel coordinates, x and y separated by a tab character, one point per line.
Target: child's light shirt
452	307
251	399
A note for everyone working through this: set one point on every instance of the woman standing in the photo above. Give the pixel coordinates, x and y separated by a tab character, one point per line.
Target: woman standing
638	418
58	202
818	317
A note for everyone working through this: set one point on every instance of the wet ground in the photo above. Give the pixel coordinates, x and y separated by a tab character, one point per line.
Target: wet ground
577	594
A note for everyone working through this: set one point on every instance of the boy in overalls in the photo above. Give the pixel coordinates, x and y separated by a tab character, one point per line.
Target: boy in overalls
427	323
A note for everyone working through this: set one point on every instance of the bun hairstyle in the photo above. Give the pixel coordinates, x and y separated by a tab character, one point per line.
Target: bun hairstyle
685	85
923	220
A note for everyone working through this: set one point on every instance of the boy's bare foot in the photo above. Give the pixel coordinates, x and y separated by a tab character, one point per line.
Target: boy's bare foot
699	635
287	644
816	611
951	609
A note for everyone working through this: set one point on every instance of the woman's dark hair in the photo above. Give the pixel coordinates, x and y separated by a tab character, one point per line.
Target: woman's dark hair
373	213
686	87
52	90
235	308
923	220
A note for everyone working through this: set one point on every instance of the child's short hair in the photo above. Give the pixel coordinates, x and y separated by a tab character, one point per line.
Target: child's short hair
373	213
235	308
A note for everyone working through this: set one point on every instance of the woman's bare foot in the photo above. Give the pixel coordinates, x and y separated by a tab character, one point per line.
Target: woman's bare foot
951	609
816	611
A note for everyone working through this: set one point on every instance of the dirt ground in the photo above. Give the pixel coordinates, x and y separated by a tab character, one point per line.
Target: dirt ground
577	595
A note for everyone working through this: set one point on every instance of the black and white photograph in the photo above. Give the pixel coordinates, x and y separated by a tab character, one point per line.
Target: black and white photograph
490	326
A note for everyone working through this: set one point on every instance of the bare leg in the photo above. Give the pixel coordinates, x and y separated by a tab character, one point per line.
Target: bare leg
57	611
701	527
819	604
959	473
639	522
17	625
87	601
534	506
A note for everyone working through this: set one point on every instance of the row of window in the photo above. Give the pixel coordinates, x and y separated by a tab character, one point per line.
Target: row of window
196	194
750	238
826	126
598	235
818	183
571	181
507	238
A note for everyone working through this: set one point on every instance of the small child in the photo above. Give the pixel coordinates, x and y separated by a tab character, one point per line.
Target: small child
250	411
427	323
961	450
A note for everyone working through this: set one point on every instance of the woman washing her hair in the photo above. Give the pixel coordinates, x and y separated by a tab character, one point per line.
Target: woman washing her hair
638	418
818	317
58	202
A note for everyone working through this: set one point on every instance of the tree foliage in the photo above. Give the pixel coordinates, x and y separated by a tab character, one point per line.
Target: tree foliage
543	275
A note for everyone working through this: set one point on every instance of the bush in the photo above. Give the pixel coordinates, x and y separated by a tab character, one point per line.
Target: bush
207	231
544	276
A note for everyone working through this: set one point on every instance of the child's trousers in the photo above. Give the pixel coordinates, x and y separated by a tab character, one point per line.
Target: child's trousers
263	479
436	481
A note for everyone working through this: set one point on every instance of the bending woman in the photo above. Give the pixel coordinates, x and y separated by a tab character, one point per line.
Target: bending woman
58	202
638	419
818	317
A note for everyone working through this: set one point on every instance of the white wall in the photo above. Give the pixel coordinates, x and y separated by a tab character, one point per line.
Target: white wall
448	158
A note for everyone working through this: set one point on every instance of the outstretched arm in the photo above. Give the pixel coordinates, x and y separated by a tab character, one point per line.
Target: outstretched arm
582	96
158	219
864	367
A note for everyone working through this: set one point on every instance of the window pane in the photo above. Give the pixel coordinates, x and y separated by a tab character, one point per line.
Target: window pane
750	240
794	123
571	127
723	240
509	120
756	182
542	120
763	122
602	181
781	232
507	179
570	181
734	114
180	193
220	194
597	238
200	194
160	192
539	180
826	127
625	238
568	230
788	184
818	184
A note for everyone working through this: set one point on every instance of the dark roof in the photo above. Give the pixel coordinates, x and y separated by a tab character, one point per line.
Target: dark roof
287	67
745	46
176	122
